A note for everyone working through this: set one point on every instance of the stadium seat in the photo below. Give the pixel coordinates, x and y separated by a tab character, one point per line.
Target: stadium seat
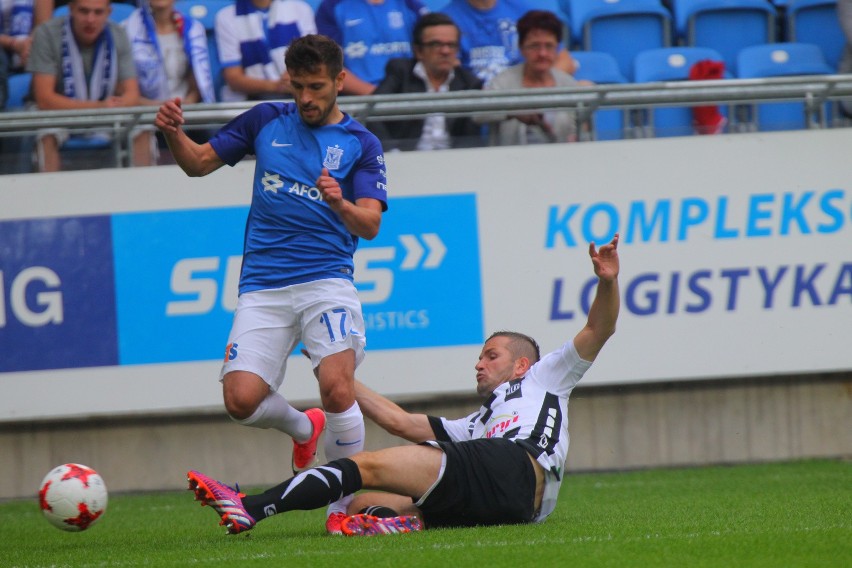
670	64
602	68
816	21
620	27
120	11
19	87
725	25
778	60
314	4
203	10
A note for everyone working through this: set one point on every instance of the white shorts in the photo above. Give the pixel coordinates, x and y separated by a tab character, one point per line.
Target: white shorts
268	324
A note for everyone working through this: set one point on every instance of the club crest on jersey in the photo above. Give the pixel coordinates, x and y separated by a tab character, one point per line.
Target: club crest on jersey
332	157
395	20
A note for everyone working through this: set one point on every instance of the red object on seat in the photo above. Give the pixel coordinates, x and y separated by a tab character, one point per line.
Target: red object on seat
707	119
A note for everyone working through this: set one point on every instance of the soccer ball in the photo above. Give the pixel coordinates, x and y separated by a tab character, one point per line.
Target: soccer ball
72	497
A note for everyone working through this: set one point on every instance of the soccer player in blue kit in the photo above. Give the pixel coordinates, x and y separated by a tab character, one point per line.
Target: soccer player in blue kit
319	185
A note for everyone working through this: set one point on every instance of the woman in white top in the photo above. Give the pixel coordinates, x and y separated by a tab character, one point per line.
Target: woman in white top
170	52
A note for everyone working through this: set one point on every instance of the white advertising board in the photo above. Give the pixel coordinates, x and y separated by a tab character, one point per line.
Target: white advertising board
736	259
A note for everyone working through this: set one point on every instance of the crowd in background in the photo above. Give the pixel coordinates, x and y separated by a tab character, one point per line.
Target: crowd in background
90	54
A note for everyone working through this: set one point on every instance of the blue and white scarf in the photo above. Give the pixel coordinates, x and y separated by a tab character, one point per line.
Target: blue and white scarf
20	24
153	83
263	47
101	83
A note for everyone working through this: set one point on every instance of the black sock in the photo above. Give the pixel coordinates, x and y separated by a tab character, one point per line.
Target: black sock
379	511
311	489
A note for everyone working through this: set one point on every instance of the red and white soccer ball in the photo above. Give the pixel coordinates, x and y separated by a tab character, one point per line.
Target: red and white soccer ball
73	497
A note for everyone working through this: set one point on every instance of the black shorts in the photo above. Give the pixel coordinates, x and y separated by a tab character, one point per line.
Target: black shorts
486	482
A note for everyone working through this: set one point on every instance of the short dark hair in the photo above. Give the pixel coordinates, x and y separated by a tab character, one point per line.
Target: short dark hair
429	20
539	20
308	53
520	345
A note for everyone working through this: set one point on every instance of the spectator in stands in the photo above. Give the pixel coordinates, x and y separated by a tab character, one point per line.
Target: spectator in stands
539	36
252	37
844	14
18	18
433	69
489	41
371	33
170	51
83	61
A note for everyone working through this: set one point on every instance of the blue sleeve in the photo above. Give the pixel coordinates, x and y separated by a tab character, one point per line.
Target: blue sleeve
370	179
326	22
235	140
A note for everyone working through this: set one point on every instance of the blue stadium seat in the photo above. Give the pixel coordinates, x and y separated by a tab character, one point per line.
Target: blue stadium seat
815	21
203	10
19	87
620	27
670	64
778	60
725	25
602	68
120	11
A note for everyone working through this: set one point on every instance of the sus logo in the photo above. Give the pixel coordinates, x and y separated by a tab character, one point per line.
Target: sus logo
231	352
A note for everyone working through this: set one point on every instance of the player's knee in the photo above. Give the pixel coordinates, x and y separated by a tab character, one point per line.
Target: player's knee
240	404
243	393
370	467
239	408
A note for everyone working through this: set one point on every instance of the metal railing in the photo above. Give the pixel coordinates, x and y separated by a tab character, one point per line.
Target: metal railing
812	90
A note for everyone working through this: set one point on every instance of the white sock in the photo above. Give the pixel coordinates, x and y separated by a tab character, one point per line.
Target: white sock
344	437
339	506
275	412
344	433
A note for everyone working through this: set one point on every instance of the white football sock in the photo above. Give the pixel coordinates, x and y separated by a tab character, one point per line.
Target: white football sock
344	433
344	437
275	412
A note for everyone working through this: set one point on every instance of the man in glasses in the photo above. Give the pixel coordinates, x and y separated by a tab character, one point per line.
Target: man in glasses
434	68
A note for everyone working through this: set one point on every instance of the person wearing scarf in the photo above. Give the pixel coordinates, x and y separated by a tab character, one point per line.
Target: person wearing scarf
170	51
252	37
18	19
83	61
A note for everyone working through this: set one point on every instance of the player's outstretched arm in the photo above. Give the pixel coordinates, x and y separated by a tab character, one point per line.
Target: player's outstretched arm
604	310
193	158
390	417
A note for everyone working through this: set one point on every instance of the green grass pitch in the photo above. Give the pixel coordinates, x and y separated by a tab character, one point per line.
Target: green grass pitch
773	515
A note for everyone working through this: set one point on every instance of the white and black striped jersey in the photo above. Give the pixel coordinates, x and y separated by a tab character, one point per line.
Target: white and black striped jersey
531	411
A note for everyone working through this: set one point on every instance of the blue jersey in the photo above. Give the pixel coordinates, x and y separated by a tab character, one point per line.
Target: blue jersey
370	34
489	38
292	235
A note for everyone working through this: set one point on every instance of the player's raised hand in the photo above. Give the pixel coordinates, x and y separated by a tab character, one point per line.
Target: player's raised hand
605	260
329	189
169	116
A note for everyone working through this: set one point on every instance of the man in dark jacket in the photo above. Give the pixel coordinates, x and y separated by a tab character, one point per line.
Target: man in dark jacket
434	69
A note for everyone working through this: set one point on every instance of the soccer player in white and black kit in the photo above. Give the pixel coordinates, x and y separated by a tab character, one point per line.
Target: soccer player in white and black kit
501	464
